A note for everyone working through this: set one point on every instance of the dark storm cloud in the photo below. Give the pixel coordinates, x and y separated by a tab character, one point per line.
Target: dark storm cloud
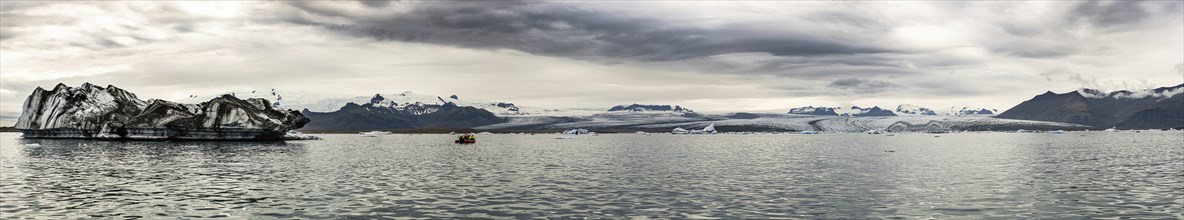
861	85
1111	13
1032	47
565	30
376	4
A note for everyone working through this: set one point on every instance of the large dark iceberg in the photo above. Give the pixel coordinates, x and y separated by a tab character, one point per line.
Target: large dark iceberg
110	113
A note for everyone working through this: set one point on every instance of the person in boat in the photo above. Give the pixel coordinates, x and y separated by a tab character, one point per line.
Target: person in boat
465	137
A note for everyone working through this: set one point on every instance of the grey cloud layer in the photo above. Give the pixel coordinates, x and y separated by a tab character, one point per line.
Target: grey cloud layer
834	43
657	51
583	30
562	29
1110	14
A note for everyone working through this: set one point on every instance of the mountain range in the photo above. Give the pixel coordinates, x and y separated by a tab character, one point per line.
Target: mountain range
647	108
91	111
1157	108
384	114
901	110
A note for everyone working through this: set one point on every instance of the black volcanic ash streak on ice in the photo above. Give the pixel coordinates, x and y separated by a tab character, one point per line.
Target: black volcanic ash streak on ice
93	112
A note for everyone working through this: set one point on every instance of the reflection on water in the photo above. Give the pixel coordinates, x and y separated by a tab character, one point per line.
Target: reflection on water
66	178
610	176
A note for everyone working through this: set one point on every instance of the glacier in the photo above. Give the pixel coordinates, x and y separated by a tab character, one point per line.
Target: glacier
650	122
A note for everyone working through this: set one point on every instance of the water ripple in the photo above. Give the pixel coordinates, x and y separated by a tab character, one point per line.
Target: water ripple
1101	175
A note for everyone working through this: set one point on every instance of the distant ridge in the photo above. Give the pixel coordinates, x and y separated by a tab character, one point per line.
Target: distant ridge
377	116
646	108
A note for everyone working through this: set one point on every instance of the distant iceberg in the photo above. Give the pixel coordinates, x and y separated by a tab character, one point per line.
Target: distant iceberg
577	131
710	129
680	131
373	133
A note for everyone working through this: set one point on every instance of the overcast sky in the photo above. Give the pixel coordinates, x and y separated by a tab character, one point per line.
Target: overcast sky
708	56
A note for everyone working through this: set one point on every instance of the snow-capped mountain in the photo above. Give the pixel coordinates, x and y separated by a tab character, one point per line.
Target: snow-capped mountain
857	111
382	114
907	109
649	108
411	101
408	101
811	110
296	100
842	111
970	111
1160	93
901	110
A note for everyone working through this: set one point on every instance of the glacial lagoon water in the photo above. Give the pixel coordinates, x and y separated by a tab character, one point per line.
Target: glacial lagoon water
988	175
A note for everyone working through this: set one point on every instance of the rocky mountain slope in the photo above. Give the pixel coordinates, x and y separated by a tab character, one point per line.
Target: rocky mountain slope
91	111
385	114
1156	108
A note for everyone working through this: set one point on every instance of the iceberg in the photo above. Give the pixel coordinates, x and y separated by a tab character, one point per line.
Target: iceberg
110	113
373	133
907	109
577	131
680	131
296	135
710	129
